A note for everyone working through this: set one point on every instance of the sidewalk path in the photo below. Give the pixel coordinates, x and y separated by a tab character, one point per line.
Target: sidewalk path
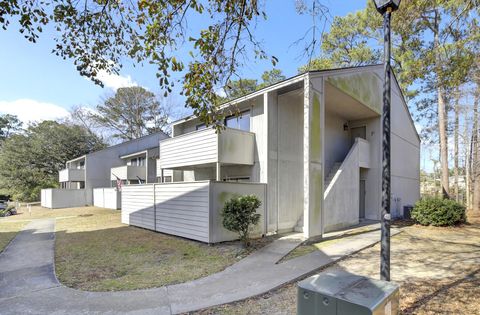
28	284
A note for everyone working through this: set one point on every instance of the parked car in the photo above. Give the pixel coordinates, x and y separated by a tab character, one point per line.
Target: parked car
6	209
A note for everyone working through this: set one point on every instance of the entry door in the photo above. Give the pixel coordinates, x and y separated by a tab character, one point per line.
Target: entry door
361	206
358	132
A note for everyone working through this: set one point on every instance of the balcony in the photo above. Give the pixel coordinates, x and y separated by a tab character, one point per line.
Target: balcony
71	175
205	147
128	172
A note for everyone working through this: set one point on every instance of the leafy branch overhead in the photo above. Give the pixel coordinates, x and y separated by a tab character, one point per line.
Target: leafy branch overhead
97	34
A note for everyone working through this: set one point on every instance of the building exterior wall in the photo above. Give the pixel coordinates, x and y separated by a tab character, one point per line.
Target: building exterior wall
372	175
189	209
337	140
98	164
405	155
63	198
289	172
298	140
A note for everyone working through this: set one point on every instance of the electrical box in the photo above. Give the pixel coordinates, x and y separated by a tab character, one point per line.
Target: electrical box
342	293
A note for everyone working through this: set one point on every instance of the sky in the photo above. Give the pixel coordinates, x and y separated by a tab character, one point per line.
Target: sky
37	85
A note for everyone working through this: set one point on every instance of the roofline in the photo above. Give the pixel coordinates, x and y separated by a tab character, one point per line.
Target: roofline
119	144
145	151
406	105
76	159
126	156
276	85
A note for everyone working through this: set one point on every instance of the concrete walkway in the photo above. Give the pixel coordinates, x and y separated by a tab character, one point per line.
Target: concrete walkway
28	284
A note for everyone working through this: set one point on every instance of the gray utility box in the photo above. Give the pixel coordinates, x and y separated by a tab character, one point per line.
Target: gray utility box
342	293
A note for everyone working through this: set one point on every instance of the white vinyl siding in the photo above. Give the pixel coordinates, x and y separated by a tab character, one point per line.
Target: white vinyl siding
231	146
195	148
187	209
183	209
137	206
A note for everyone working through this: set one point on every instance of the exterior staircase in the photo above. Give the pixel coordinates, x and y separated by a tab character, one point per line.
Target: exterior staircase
331	174
299	226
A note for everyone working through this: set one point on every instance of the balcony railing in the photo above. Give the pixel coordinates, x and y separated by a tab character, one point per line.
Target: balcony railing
128	172
204	147
71	175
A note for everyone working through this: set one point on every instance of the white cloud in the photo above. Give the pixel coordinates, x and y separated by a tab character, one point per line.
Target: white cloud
114	81
32	110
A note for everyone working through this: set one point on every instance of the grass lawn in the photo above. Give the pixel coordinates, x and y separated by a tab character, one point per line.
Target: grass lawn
438	270
95	252
8	230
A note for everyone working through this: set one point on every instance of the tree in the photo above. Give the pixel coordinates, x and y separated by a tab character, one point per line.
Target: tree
429	57
31	160
97	35
131	113
237	88
348	43
9	124
271	77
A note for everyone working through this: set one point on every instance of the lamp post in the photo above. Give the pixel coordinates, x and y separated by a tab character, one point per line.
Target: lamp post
386	7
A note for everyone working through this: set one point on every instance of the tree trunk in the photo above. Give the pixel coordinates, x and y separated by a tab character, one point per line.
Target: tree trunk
468	155
442	111
475	163
455	142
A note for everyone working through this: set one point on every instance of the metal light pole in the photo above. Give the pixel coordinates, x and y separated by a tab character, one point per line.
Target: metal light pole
386	7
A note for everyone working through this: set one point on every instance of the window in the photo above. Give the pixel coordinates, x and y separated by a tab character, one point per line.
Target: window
241	122
167	179
140	161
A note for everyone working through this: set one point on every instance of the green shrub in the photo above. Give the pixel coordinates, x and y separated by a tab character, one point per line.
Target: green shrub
438	212
239	215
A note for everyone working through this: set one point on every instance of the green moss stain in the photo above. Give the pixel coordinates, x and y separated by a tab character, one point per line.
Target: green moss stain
318	188
315	132
224	196
364	87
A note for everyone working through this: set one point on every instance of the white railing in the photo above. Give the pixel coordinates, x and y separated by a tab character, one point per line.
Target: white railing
231	146
128	172
71	175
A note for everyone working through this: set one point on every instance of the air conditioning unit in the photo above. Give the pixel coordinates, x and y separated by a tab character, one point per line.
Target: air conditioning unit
342	293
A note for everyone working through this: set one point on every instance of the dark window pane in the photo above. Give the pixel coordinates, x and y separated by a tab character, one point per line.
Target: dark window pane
242	122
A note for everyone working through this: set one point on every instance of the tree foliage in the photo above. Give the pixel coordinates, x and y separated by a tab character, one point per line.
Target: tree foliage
9	124
30	161
131	113
237	88
98	34
240	215
349	42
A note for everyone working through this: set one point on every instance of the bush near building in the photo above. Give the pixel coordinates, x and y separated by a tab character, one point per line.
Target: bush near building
438	212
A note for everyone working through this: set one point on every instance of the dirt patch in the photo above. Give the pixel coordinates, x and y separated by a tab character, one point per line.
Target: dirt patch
438	270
